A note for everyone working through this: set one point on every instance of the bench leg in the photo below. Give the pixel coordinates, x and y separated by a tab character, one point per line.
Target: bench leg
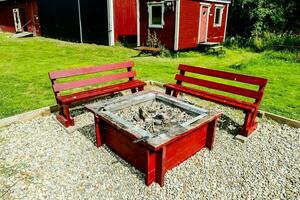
249	124
64	116
133	90
141	88
175	93
168	91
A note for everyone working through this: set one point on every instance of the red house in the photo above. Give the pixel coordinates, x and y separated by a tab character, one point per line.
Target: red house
90	21
19	16
183	24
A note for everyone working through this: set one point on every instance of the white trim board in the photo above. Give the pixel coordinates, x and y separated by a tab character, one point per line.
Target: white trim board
79	19
227	7
177	24
138	25
110	16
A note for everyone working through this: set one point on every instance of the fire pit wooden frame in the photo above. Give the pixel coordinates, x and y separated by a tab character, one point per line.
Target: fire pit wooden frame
157	155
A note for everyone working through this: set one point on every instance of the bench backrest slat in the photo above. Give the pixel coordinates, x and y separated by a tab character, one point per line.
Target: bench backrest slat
92	81
225	75
89	70
221	87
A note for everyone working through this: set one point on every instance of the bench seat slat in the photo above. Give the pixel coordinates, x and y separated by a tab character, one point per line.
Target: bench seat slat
57	87
89	70
213	97
79	96
225	75
221	87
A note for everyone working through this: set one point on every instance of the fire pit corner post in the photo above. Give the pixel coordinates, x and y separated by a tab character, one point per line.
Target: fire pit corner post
160	168
211	132
99	132
150	168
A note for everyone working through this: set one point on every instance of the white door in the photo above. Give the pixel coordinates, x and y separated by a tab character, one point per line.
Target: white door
203	23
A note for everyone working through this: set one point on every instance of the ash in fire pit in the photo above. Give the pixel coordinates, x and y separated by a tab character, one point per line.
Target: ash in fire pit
155	116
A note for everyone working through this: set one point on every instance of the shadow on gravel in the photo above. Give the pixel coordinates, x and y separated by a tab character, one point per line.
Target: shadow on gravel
230	126
77	111
89	132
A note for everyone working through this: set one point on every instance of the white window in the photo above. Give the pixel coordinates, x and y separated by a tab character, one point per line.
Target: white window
218	16
156	15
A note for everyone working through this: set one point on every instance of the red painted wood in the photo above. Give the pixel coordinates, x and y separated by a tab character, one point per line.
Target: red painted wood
65	101
165	34
160	166
182	149
210	139
214	97
89	70
251	109
189	24
150	171
125	18
225	75
99	132
79	96
156	162
133	153
216	34
220	86
92	81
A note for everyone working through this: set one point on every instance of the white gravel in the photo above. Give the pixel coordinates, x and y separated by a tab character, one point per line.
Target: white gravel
40	159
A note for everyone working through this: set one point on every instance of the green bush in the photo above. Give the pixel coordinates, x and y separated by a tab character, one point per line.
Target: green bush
267	41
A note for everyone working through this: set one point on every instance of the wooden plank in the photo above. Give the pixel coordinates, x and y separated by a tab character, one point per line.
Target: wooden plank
214	97
135	154
221	87
153	49
225	75
99	91
92	81
89	70
183	148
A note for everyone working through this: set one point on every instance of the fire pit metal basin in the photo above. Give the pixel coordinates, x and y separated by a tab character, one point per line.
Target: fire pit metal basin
152	131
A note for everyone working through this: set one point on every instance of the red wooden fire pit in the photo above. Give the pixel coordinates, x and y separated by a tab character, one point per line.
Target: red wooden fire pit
152	131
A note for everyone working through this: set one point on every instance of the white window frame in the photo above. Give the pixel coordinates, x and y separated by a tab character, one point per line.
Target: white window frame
221	7
150	6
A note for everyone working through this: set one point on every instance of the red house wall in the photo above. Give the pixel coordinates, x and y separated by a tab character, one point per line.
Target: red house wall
165	34
189	24
31	13
125	18
216	34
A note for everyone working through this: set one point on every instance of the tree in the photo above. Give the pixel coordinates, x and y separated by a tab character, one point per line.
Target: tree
253	17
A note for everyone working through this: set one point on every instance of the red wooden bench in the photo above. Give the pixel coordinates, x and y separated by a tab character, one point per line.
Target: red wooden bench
250	108
65	101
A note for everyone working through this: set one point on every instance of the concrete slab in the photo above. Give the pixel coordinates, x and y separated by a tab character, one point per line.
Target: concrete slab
22	35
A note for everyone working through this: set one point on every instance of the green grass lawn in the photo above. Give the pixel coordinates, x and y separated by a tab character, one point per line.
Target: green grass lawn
25	63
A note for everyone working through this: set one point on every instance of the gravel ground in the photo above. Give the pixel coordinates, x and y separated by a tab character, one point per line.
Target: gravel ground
40	159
